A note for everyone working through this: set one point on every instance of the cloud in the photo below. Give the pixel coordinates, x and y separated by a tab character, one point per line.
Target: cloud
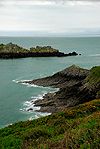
47	2
49	16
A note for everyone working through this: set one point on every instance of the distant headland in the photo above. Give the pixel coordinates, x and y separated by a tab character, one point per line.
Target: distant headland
11	50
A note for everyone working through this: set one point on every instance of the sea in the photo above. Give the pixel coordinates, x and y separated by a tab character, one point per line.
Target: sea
16	99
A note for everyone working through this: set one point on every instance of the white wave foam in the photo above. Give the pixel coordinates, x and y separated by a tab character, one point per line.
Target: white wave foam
54	91
23	82
33	117
27	84
16	81
19	80
32	108
29	106
21	109
8	125
39	97
27	103
38	115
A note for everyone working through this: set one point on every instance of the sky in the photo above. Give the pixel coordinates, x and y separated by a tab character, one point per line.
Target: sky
49	17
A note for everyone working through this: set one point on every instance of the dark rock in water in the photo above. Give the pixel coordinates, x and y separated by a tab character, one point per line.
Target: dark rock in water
72	54
30	109
14	51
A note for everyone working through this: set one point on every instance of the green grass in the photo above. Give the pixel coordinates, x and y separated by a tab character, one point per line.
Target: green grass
45	49
75	127
13	48
94	76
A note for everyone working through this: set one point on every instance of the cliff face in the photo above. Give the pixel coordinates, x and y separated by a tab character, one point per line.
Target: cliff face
76	85
14	51
66	77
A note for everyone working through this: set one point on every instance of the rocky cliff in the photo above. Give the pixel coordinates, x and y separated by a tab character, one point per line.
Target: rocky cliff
14	51
76	85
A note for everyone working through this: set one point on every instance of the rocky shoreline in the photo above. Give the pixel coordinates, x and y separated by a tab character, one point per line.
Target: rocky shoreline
11	50
74	88
67	127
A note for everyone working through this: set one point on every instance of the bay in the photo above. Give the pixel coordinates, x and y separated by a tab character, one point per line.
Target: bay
13	95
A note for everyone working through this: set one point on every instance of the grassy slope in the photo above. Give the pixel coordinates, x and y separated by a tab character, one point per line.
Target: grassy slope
77	127
93	80
73	128
45	49
94	76
13	48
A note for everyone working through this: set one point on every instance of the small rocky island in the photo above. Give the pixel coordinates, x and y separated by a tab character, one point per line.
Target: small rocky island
76	86
11	50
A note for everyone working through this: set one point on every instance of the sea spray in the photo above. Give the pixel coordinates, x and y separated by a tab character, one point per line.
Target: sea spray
28	107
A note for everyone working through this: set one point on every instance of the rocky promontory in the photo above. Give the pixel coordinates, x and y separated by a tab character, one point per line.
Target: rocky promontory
76	85
11	50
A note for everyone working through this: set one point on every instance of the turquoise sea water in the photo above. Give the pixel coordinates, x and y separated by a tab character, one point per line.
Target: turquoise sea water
14	97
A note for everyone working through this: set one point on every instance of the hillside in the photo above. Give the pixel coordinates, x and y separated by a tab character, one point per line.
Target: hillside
73	128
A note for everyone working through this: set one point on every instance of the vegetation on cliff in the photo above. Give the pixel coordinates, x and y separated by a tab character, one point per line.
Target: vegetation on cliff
44	49
12	48
73	128
93	78
14	51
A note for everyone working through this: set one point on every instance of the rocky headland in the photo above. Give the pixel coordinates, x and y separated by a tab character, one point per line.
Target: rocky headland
76	85
11	50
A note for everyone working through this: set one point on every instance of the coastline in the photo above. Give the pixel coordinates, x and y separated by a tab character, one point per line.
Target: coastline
73	89
29	105
64	123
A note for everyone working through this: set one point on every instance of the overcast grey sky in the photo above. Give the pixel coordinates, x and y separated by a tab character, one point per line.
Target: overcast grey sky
49	16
